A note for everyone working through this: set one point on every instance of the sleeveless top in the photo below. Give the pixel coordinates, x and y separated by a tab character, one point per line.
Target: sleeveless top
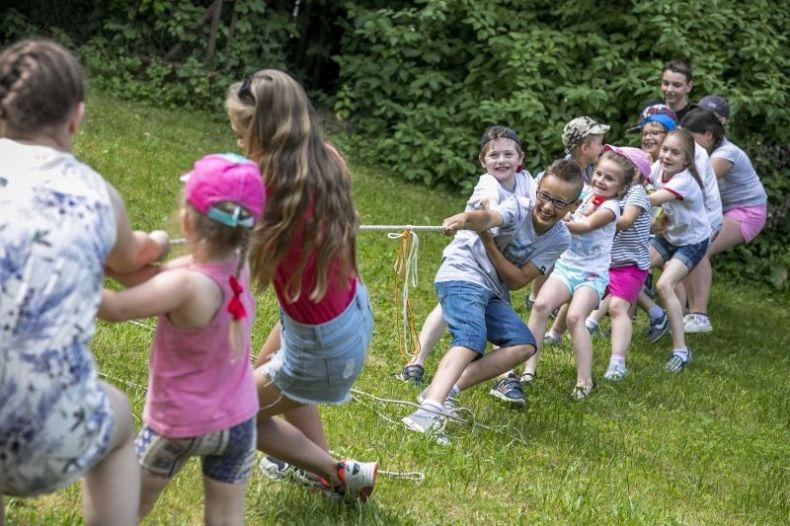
195	386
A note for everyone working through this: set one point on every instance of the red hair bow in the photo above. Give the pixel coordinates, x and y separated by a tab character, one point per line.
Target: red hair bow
235	306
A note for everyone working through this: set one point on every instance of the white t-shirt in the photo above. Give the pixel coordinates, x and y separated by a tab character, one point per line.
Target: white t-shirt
711	191
688	222
740	186
466	259
592	251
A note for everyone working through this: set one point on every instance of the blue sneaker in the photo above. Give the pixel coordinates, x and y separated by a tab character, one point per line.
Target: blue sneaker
658	328
413	373
508	389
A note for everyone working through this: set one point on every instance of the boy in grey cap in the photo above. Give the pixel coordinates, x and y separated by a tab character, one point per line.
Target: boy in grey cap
583	141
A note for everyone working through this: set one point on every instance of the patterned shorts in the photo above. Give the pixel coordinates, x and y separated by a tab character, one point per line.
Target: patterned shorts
226	455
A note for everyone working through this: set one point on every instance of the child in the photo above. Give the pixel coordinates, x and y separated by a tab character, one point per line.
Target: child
201	398
474	296
582	138
676	84
325	318
61	225
743	199
630	262
501	155
682	246
581	274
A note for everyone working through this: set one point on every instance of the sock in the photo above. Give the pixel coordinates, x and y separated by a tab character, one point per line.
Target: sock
553	335
591	324
655	312
454	390
618	361
429	408
682	352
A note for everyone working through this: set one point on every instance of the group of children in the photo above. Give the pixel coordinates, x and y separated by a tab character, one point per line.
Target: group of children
282	215
286	208
704	197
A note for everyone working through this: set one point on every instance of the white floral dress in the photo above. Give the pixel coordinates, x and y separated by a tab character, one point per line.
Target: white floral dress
56	227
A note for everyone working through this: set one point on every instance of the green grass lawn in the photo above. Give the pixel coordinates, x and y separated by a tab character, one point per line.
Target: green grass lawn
708	446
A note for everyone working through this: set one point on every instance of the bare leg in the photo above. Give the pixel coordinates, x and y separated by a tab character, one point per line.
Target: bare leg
598	313
700	279
432	330
151	487
270	346
560	324
111	489
622	329
494	363
307	419
224	503
553	294
449	371
281	439
674	271
584	301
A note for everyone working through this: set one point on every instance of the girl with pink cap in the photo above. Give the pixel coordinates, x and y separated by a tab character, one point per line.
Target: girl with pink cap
201	398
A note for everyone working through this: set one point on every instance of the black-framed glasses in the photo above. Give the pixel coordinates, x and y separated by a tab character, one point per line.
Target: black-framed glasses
245	90
558	203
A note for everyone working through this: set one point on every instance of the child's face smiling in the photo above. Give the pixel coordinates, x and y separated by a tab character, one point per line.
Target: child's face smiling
652	136
606	181
551	192
675	87
502	160
671	156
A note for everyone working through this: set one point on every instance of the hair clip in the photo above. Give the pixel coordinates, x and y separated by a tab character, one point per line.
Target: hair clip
245	90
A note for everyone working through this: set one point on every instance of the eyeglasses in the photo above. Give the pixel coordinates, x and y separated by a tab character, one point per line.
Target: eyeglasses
245	90
558	203
653	133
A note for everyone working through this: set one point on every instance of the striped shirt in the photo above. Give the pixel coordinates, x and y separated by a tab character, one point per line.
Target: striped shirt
630	246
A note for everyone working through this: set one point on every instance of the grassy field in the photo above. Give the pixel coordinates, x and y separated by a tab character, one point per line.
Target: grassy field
708	446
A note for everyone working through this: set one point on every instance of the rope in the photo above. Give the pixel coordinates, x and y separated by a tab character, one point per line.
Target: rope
405	267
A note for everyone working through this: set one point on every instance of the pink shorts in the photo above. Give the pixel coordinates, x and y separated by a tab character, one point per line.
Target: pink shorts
626	282
751	219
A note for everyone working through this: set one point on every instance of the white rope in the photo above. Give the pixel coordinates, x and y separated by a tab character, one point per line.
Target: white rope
401	228
410	270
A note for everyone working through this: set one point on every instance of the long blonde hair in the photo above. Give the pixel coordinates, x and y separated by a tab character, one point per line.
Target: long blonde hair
308	185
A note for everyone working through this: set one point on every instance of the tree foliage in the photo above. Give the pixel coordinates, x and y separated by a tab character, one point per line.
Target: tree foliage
418	81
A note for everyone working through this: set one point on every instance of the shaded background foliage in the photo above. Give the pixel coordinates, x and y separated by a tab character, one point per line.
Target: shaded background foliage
416	82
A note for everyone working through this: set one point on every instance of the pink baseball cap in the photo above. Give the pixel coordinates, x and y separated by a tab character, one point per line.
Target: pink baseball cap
226	177
637	156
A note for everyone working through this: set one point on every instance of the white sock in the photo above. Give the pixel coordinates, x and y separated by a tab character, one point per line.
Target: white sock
655	312
454	390
617	361
591	324
429	408
553	335
682	352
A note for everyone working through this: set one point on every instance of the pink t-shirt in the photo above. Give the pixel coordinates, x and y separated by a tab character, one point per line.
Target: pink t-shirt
194	387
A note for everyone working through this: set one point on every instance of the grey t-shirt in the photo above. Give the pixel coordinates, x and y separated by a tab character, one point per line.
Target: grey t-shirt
466	259
740	186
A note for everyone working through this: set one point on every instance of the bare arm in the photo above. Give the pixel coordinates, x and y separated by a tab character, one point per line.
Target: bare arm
629	216
597	219
163	293
512	276
477	220
721	166
132	250
660	197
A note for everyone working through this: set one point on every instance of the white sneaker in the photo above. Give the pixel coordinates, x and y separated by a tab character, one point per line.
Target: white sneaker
358	478
615	372
696	323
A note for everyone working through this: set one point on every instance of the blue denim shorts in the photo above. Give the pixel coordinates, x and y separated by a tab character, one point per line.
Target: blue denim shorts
573	278
319	363
226	455
475	315
689	255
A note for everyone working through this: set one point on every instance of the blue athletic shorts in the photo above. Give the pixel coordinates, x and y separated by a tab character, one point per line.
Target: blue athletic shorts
475	315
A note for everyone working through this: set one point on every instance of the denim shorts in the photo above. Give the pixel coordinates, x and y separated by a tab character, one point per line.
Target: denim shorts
475	315
226	455
574	278
689	255
319	363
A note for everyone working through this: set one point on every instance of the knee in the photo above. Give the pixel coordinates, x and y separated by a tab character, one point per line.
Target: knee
574	319
523	352
618	307
665	288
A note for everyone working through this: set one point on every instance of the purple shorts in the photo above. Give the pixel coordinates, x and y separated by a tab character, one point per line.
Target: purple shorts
626	282
751	219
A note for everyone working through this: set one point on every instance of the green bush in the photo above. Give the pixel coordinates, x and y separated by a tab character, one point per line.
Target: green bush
419	84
